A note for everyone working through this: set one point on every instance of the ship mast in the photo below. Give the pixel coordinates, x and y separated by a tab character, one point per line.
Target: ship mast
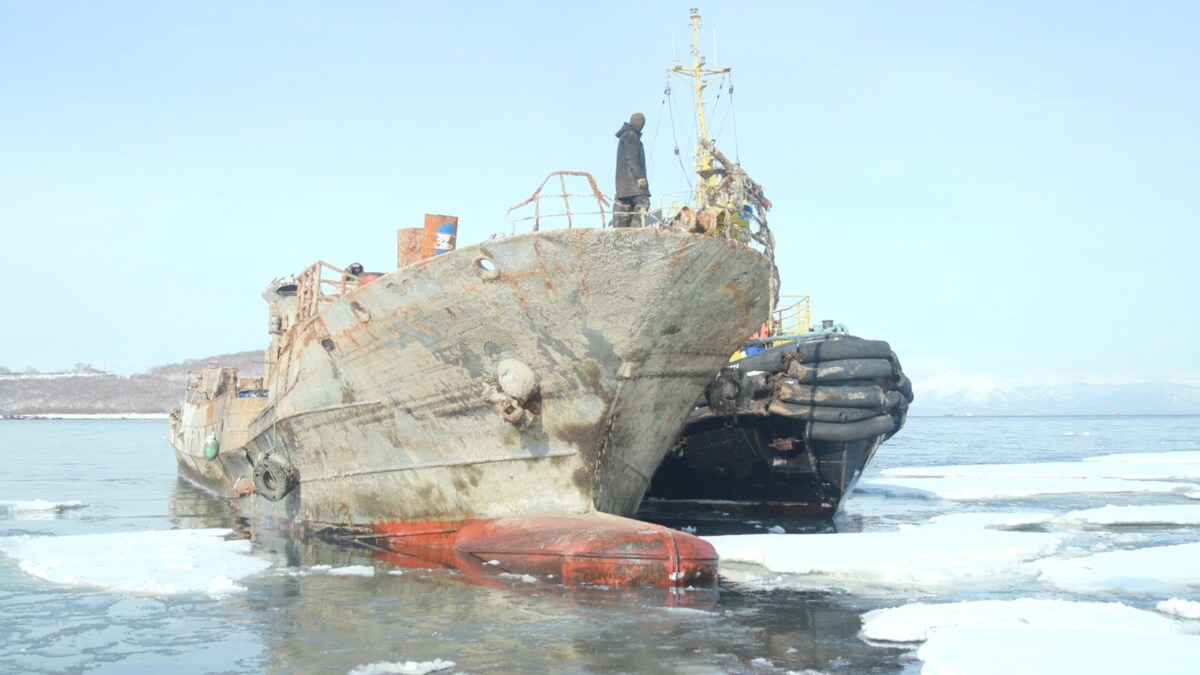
699	77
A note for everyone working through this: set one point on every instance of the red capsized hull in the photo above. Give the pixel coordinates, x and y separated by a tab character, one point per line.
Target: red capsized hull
577	549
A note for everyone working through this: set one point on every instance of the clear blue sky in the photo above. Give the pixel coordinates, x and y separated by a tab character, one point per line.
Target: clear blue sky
1002	188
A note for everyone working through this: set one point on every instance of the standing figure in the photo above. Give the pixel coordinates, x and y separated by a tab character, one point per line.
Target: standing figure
633	192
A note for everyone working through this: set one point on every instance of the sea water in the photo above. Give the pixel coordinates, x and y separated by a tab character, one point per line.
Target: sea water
967	536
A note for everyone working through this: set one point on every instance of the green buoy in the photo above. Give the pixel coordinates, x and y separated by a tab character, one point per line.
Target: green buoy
211	447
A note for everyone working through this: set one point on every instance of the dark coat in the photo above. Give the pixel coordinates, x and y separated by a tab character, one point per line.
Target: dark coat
631	163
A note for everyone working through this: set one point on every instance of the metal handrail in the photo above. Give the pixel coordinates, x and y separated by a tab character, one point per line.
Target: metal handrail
537	197
793	319
310	288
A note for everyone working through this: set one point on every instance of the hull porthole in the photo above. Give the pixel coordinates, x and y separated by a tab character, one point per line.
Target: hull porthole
486	268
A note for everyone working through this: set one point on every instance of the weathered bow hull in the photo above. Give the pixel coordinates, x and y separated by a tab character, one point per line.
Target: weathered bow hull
383	403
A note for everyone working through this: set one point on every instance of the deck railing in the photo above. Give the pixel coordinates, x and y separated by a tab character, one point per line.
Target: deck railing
318	284
555	211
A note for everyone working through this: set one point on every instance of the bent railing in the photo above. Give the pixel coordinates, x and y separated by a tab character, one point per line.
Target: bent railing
566	212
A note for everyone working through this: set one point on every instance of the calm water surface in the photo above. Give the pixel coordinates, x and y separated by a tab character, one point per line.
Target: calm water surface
125	472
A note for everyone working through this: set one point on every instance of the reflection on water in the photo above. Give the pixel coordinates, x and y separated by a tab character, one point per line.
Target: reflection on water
309	620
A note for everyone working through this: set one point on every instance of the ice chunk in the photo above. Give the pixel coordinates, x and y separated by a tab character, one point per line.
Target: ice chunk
1010	649
405	667
38	509
1108	516
156	562
1159	569
937	555
916	622
1184	609
352	571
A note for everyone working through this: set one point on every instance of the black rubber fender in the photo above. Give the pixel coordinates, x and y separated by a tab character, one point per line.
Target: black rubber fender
880	425
893	400
871	397
841	369
849	347
904	386
730	390
899	415
275	477
817	413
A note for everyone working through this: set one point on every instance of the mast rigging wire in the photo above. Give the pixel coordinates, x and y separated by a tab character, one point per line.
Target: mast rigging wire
678	155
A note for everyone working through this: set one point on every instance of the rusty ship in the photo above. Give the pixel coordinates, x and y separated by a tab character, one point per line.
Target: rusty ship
506	401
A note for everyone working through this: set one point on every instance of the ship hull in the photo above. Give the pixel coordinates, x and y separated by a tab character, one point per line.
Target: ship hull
384	404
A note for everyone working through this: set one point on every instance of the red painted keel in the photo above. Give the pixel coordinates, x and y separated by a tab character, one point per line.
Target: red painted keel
594	549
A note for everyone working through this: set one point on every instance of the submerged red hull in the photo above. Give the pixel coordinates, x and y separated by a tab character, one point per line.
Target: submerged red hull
594	549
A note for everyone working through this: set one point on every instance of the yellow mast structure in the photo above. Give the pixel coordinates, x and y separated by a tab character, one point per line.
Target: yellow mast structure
699	77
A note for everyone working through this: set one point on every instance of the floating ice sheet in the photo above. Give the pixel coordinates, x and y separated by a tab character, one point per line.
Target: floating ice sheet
1163	472
1007	650
1155	570
405	667
918	621
1028	635
1109	516
38	508
346	571
986	487
1095	469
353	571
1179	457
155	562
947	551
1184	609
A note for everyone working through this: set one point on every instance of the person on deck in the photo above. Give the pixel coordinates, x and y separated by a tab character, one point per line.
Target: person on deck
633	192
352	276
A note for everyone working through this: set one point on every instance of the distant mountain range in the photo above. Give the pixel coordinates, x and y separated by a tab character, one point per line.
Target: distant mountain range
86	390
961	394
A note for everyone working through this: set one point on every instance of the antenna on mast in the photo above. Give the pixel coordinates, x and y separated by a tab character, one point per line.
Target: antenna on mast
699	77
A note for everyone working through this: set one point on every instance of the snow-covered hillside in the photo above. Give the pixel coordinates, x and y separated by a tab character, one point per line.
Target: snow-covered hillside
957	393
